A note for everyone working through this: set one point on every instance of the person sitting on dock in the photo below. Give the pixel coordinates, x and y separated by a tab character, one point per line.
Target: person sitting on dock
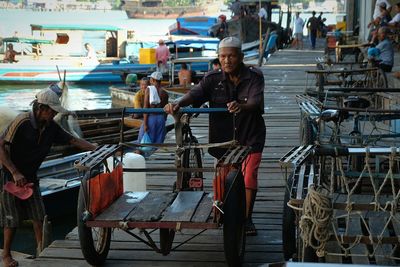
396	19
185	75
240	89
138	100
384	51
90	53
24	145
162	56
9	56
155	97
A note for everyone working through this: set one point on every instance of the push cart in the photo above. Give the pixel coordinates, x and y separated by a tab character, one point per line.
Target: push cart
103	206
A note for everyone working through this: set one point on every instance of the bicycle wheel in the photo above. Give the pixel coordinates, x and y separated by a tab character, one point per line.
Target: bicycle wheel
94	241
288	224
234	218
191	158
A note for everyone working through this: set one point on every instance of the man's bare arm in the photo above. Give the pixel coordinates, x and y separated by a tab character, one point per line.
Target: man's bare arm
82	144
186	100
5	160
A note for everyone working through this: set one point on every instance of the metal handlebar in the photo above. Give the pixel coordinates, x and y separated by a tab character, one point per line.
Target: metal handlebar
182	110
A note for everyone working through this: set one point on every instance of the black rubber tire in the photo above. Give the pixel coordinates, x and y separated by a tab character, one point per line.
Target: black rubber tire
288	225
307	135
234	219
95	252
166	239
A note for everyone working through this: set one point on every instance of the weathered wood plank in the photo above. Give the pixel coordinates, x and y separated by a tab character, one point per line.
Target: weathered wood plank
204	209
120	209
151	206
183	207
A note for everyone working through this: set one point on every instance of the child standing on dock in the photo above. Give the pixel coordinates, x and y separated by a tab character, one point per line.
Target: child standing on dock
240	89
138	100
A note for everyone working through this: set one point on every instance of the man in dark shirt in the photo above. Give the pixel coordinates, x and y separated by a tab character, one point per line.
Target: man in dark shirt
241	90
23	146
313	25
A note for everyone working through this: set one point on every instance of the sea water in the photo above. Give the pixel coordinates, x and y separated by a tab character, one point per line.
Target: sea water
16	22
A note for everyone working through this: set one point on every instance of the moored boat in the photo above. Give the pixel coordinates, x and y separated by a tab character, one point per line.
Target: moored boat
156	9
53	46
197	25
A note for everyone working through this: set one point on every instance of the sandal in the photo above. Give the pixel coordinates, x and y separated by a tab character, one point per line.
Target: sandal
10	262
250	228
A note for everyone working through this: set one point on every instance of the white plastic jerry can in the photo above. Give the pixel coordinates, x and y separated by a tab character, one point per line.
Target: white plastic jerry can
133	181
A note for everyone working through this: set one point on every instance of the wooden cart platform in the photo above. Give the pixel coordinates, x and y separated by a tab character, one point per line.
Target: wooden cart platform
158	210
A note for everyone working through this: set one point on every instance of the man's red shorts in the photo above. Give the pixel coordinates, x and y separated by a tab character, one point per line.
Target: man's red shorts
250	170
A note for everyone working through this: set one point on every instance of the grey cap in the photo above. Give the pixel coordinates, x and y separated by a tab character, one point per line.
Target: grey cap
230	42
156	75
50	98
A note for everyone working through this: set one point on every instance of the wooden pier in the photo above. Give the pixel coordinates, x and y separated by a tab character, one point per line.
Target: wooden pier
285	77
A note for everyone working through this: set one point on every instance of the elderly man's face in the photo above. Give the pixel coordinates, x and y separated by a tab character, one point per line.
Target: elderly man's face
230	58
381	35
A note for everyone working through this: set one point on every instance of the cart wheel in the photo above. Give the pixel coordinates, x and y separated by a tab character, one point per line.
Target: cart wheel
166	239
95	241
288	224
234	218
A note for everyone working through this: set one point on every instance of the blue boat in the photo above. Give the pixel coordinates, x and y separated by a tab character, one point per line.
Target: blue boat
55	48
197	25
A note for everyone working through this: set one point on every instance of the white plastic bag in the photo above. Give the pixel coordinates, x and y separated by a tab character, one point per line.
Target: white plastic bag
154	99
146	140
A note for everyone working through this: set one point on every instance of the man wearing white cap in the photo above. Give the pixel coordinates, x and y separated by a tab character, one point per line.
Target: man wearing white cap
240	89
24	145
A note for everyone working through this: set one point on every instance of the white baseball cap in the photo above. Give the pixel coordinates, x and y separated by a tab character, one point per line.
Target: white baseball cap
156	75
50	98
230	42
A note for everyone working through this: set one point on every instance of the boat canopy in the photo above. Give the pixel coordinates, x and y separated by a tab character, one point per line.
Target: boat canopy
73	27
192	59
27	40
273	3
208	44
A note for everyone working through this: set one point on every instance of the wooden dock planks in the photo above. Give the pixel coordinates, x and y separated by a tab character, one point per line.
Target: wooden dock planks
283	81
